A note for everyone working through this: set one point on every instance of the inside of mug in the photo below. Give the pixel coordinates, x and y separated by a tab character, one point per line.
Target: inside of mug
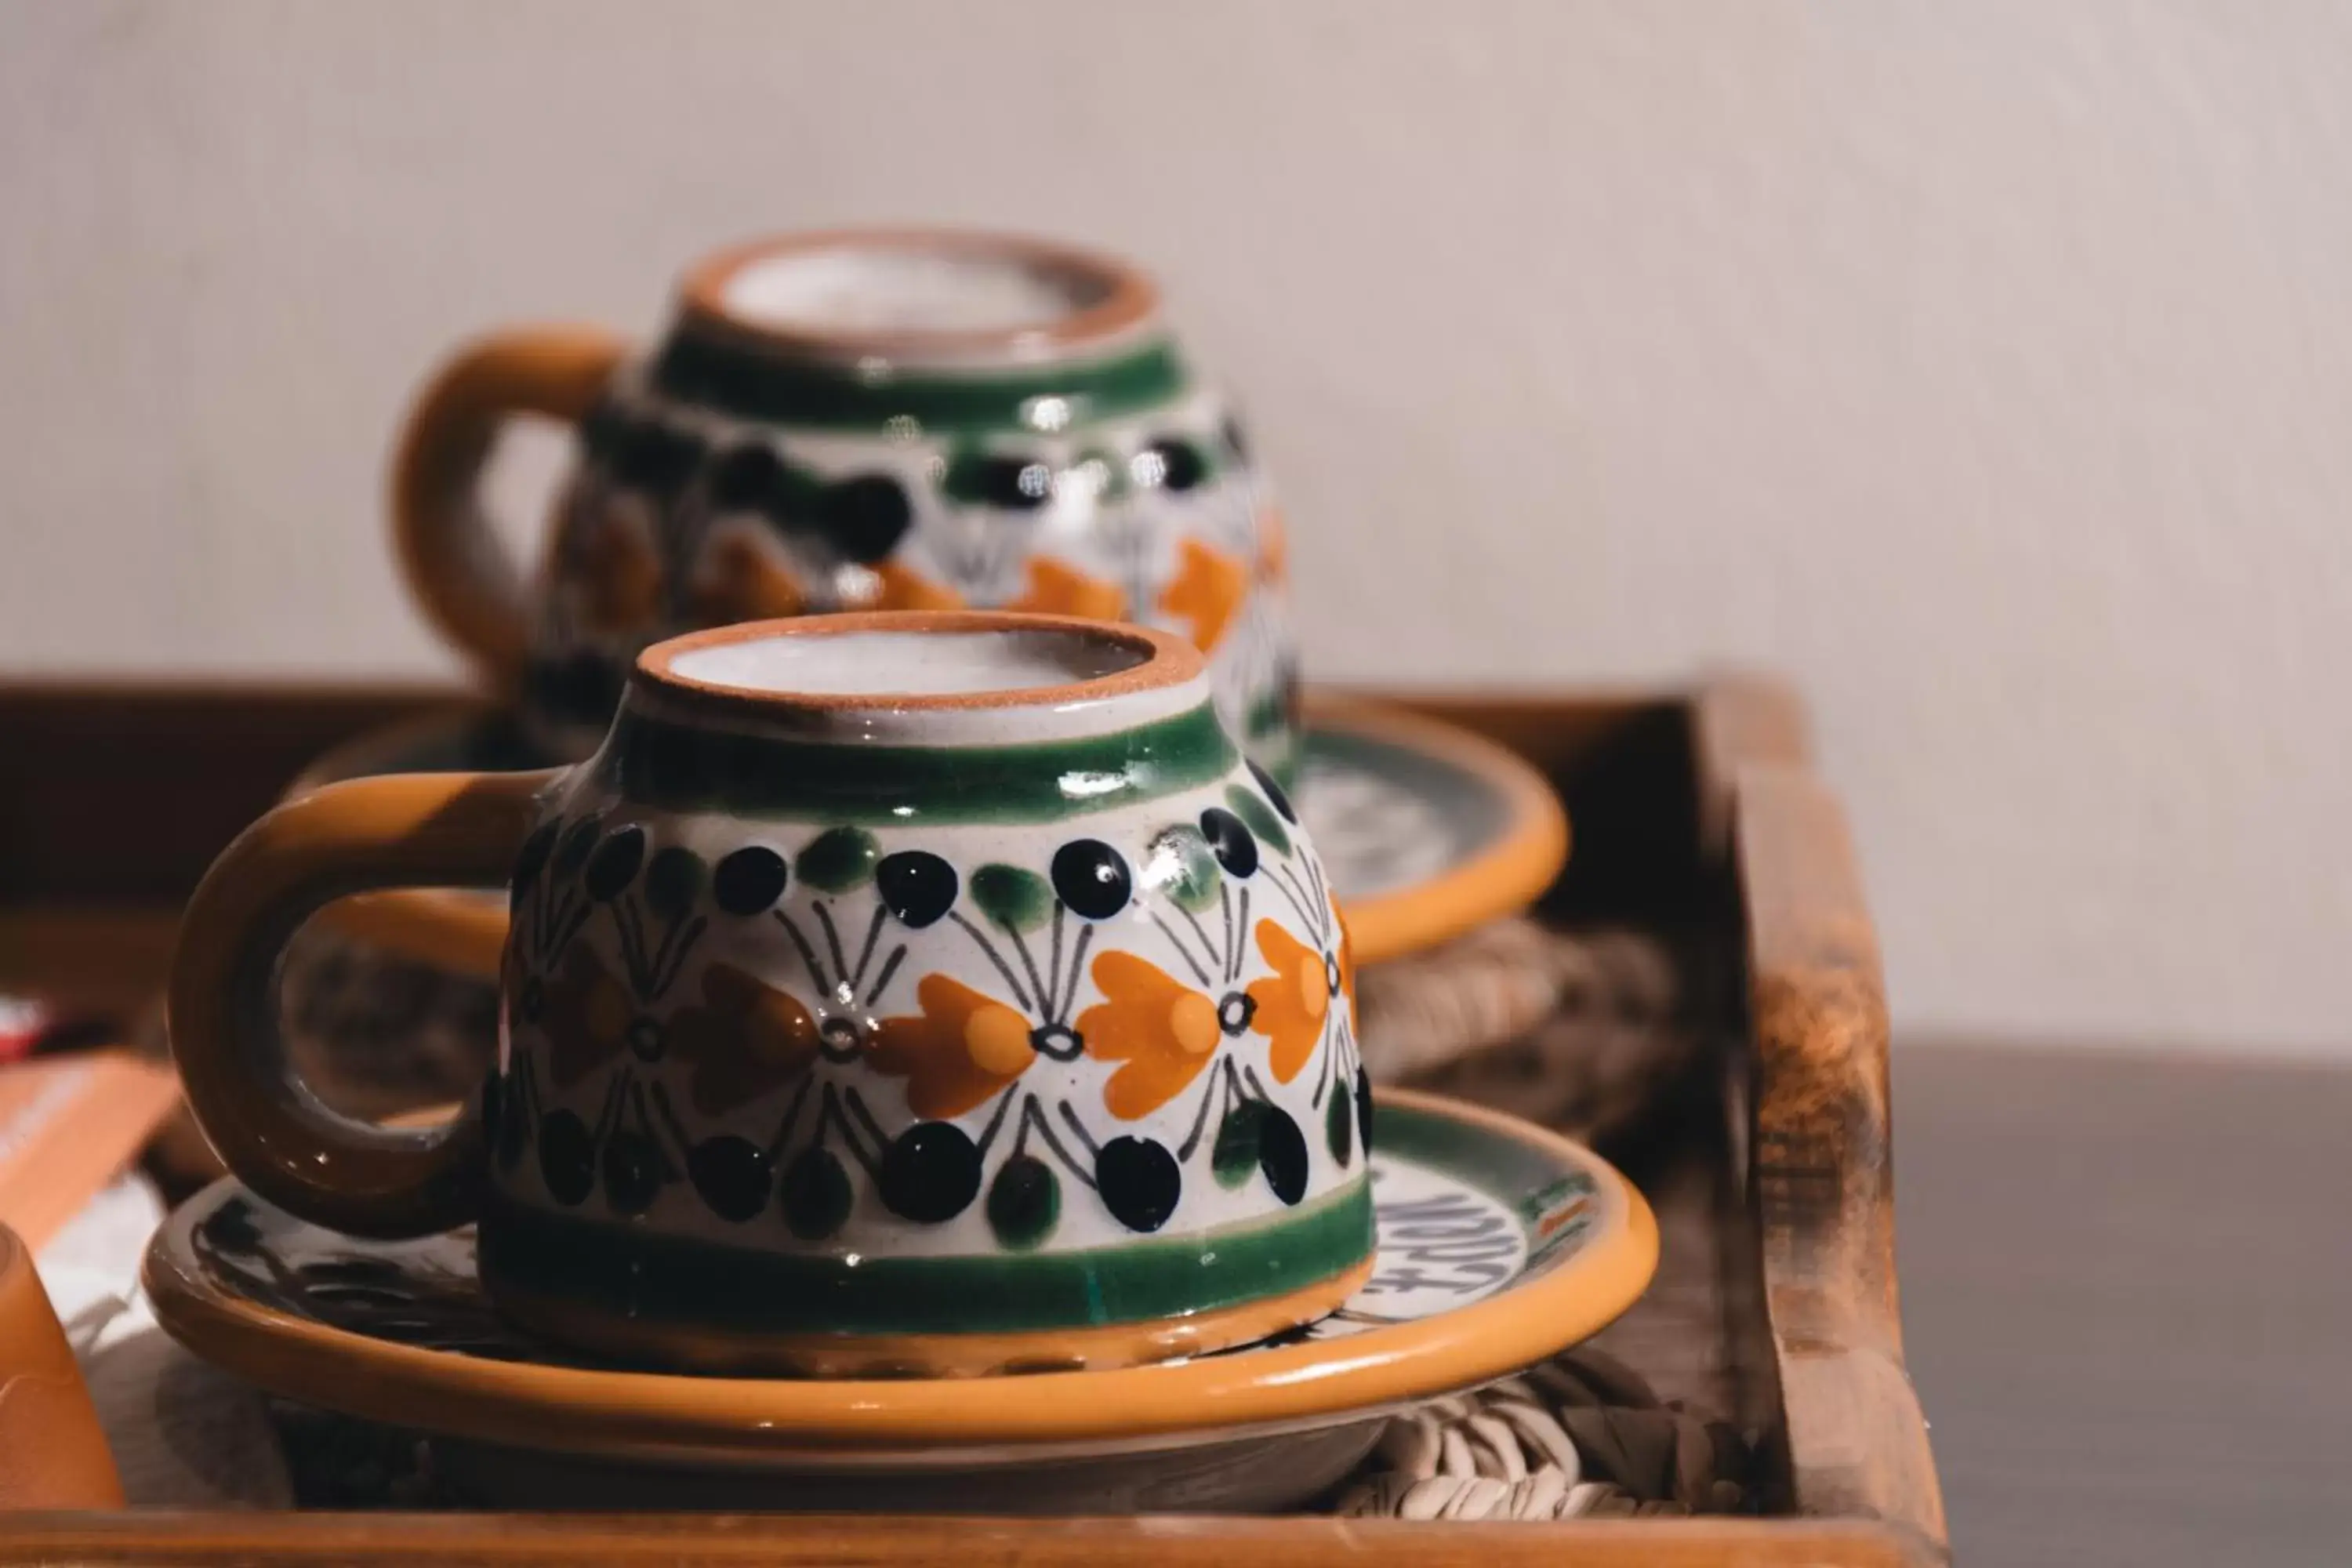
962	662
872	288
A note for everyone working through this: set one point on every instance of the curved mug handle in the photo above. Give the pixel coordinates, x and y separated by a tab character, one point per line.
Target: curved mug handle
454	562
403	830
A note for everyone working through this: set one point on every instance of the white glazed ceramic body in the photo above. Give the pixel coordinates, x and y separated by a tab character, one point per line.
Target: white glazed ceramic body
950	1031
915	420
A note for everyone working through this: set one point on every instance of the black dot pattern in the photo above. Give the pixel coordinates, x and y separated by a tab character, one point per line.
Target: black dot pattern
614	864
1139	1181
749	881
1275	793
1282	1154
916	886
864	518
1092	877
732	1177
1230	839
632	1172
571	850
567	1157
749	478
672	881
1181	467
533	859
815	1195
930	1174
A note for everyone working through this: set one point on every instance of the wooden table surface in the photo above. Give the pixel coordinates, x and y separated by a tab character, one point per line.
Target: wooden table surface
2127	1299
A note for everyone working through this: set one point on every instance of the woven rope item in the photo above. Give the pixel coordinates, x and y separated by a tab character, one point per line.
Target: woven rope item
1580	1435
1419	1014
1577	1029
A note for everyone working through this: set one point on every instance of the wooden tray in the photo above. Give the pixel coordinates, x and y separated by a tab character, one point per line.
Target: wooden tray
1696	815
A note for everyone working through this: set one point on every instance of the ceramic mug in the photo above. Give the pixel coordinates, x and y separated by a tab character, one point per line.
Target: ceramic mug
890	992
871	420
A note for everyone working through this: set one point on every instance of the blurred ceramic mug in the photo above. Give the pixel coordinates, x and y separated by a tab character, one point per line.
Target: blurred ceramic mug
890	993
873	420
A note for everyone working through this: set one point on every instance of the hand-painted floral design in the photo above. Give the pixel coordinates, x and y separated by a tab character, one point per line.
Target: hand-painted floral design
968	1047
741	1041
675	521
1293	1003
1161	1032
1312	988
960	1052
618	573
1059	590
1205	591
899	586
588	1012
1053	589
739	578
641	1053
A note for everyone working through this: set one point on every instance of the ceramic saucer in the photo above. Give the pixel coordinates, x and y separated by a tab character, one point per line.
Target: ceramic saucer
1428	831
1500	1244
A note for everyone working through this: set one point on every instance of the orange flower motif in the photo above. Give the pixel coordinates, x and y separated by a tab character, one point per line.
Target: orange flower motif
1273	547
964	1047
1292	1002
741	1041
738	580
619	574
903	588
1059	590
586	1015
1053	589
1165	1032
1208	588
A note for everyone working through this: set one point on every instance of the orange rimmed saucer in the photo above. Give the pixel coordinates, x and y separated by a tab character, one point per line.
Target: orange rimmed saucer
1428	831
1500	1244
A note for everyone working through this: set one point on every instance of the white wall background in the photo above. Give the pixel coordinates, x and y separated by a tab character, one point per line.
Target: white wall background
1985	365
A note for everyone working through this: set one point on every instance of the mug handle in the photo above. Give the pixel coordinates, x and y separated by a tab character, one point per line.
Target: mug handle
401	830
455	563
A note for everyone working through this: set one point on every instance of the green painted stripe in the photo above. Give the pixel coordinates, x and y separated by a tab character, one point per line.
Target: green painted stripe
643	1274
687	767
750	384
